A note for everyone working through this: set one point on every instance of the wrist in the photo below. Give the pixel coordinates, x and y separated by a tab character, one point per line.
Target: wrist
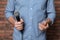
48	21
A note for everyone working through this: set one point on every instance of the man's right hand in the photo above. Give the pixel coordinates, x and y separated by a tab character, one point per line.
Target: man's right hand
19	25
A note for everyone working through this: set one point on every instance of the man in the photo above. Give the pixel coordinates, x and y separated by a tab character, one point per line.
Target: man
36	14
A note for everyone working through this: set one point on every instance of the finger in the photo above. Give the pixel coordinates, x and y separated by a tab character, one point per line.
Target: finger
47	26
41	25
44	23
40	28
22	20
17	22
20	28
18	25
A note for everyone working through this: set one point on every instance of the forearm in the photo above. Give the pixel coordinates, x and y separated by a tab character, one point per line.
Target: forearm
51	12
11	20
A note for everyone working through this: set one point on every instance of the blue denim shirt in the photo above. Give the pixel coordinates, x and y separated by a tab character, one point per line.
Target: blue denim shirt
32	12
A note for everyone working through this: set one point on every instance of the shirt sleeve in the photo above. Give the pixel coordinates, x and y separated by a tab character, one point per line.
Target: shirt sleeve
9	8
51	10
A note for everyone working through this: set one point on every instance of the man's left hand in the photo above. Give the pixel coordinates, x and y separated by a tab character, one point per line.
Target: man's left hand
43	26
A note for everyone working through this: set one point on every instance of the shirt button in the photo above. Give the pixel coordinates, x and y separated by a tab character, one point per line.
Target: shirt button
31	8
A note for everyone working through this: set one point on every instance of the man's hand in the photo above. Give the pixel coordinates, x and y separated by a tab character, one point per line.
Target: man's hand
19	25
43	26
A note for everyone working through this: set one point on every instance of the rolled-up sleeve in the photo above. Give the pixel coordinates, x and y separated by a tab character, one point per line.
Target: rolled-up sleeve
9	8
51	10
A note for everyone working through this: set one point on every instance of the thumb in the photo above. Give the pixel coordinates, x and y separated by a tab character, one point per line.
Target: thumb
21	20
44	23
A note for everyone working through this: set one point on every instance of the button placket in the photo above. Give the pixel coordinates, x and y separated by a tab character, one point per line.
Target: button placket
30	18
31	8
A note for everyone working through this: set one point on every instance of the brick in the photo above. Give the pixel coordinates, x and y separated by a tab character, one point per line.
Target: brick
6	29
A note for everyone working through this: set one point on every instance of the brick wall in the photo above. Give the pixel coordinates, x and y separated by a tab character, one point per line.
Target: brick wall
6	30
5	27
53	32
